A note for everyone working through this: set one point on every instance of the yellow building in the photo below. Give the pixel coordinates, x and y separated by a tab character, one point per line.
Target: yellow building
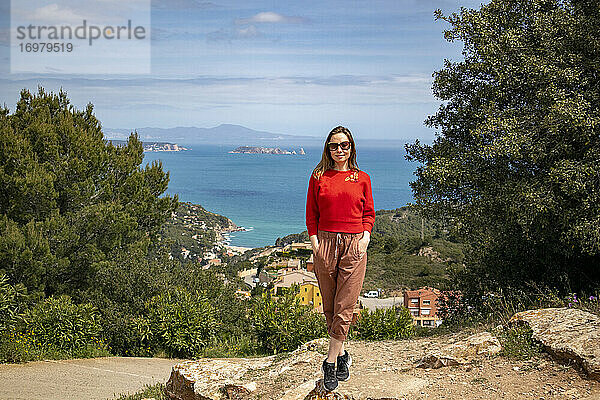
311	295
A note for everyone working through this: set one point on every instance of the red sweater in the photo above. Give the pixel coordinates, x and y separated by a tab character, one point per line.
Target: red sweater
340	201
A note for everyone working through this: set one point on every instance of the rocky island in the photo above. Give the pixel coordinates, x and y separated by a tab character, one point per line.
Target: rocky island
151	146
265	150
162	146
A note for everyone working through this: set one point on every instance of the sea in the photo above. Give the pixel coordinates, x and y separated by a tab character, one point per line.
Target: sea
266	193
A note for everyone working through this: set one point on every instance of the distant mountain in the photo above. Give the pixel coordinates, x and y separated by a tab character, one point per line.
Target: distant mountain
228	134
223	134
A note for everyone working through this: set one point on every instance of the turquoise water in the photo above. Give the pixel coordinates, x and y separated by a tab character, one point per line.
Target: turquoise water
266	193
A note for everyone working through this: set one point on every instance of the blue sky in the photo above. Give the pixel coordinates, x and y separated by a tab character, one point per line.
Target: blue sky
287	67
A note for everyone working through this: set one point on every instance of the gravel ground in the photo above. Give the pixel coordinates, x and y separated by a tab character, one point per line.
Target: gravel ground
97	378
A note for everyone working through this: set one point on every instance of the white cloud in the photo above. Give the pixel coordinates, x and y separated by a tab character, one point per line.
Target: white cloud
271	17
55	14
65	12
248	32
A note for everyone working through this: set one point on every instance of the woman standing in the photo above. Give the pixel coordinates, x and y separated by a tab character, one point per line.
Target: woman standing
339	217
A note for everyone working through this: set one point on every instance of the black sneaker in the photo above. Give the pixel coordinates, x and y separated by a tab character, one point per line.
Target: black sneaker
343	364
329	380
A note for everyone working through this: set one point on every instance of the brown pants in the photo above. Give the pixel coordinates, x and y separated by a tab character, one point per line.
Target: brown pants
340	271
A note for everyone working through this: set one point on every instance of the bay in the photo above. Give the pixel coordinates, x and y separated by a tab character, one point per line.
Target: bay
266	193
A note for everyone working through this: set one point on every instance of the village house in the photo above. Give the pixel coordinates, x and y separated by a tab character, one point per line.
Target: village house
214	262
422	304
310	295
287	279
309	288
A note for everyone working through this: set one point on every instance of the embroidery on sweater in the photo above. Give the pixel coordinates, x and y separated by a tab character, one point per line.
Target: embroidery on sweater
353	177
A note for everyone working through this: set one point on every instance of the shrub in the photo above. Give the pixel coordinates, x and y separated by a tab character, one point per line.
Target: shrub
11	301
128	335
284	324
587	303
156	392
232	346
390	323
54	328
518	344
495	307
181	322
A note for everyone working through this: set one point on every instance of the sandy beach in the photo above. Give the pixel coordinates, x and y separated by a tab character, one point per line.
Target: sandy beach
238	249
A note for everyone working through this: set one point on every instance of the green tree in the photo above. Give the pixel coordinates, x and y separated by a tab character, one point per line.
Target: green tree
69	199
515	165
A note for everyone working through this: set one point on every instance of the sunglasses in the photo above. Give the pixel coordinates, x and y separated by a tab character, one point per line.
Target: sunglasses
332	146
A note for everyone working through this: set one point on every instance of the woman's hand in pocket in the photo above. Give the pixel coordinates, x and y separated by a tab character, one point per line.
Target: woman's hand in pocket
314	244
363	243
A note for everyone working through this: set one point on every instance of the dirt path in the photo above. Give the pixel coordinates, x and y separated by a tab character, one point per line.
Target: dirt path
98	378
486	378
383	369
386	370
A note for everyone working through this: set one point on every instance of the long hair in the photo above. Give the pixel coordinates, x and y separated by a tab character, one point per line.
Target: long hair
326	160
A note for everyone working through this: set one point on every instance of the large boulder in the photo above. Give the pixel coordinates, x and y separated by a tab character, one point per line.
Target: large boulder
232	378
570	335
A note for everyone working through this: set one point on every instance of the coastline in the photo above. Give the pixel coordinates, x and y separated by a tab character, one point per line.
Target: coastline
238	249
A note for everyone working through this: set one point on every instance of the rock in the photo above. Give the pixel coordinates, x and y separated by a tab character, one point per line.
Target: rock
211	379
438	361
320	393
368	385
483	343
232	378
569	335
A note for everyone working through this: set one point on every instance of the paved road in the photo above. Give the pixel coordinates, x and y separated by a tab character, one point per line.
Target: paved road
373	303
97	378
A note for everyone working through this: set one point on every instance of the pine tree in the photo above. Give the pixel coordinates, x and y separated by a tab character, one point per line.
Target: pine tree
69	198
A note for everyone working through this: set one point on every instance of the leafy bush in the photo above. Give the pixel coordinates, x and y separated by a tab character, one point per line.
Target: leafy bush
496	307
11	301
127	335
54	328
284	324
232	346
390	323
59	322
181	322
